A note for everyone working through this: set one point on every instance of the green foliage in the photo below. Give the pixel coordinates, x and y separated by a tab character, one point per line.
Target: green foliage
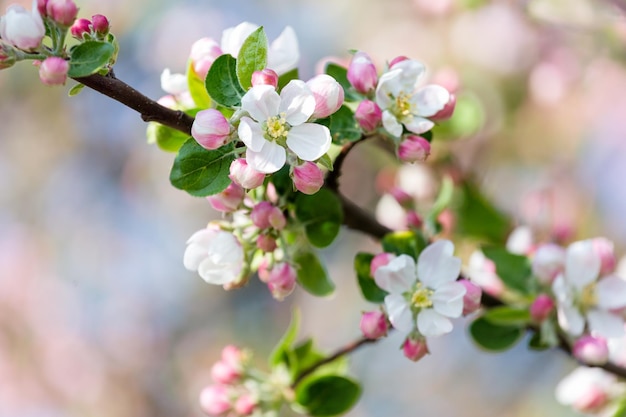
284	79
222	83
505	316
75	90
168	139
87	58
343	126
444	198
197	88
252	57
514	270
493	337
371	292
321	214
305	355
282	182
328	395
477	217
201	172
312	275
620	410
340	74
282	351
411	243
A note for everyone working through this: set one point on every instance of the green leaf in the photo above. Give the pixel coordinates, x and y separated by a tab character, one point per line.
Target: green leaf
505	315
75	90
282	182
328	395
326	162
197	88
284	79
493	337
444	198
340	74
222	83
321	214
371	292
344	127
514	270
252	57
477	217
620	410
411	243
88	57
312	275
281	352
168	139
201	172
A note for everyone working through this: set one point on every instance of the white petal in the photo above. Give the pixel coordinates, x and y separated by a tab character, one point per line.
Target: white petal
297	102
581	382
391	124
202	237
194	255
582	264
309	141
429	99
225	249
283	53
431	324
399	312
233	38
261	102
563	292
173	83
418	125
570	320
605	324
448	299
215	274
388	86
270	159
436	265
520	240
411	72
397	276
251	134
611	293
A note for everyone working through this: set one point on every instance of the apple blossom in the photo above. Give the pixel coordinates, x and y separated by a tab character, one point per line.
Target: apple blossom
277	122
281	280
307	177
100	24
447	111
373	324
265	77
592	350
244	175
362	73
379	260
587	390
266	243
21	28
541	308
203	53
403	103
245	404
415	348
413	149
397	60
62	12
228	200
482	271
81	28
520	240
210	129
548	262
53	71
173	83
472	297
328	95
368	115
425	294
604	248
223	373
214	400
265	215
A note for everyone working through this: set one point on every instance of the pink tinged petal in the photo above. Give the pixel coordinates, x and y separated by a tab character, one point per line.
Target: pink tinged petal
418	125
436	264
388	86
283	53
448	299
582	264
391	124
203	237
611	293
411	72
194	255
430	99
605	324
570	320
309	141
261	102
215	274
297	102
251	134
397	276
432	324
399	312
233	38
268	160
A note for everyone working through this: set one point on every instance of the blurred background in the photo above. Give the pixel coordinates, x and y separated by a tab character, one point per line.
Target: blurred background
98	317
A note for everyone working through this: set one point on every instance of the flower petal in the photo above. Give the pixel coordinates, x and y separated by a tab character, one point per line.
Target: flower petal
429	99
268	160
233	38
261	102
283	53
605	324
399	312
570	320
611	293
431	324
297	102
448	299
397	276
436	264
418	125
251	134
194	255
309	141
389	86
216	274
391	124
582	264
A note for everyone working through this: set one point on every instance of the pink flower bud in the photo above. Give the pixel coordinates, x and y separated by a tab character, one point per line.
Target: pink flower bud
362	73
233	356
228	200
592	401
63	12
265	77
591	350
413	219
265	215
264	270
369	115
328	95
605	251
548	262
223	373
245	405
53	71
210	129
471	299
244	175
447	111
100	24
282	280
266	243
541	308
379	260
21	28
204	52
415	349
81	28
373	324
307	177
214	400
397	60
402	197
41	7
413	149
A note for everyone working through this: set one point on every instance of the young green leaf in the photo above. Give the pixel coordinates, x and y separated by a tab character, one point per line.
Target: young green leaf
493	337
284	79
505	315
168	139
252	57
197	88
407	242
312	275
283	350
477	217
343	126
371	292
88	57
321	214
514	270
222	83
328	395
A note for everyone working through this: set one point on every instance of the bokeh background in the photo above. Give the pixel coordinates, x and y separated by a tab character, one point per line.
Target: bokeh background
98	317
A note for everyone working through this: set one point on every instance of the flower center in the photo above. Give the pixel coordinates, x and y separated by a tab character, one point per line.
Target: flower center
276	127
421	297
588	298
402	107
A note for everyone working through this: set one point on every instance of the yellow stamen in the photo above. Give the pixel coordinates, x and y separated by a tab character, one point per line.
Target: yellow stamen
276	127
421	297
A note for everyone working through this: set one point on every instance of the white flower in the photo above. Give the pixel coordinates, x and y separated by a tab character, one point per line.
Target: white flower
282	55
583	299
173	83
405	104
588	390
426	294
277	122
22	28
216	255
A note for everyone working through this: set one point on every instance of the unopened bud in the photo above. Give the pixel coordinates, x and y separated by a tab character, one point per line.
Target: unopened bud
245	405
413	149
369	115
41	7
447	111
223	373
373	324
592	350
328	95
362	73
472	297
307	177
244	175
548	262
203	53
379	260
210	129
415	348
53	71
214	400
414	220
100	24
228	200
63	12
606	252
265	77
80	29
541	308
22	28
397	60
265	215
266	243
282	280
